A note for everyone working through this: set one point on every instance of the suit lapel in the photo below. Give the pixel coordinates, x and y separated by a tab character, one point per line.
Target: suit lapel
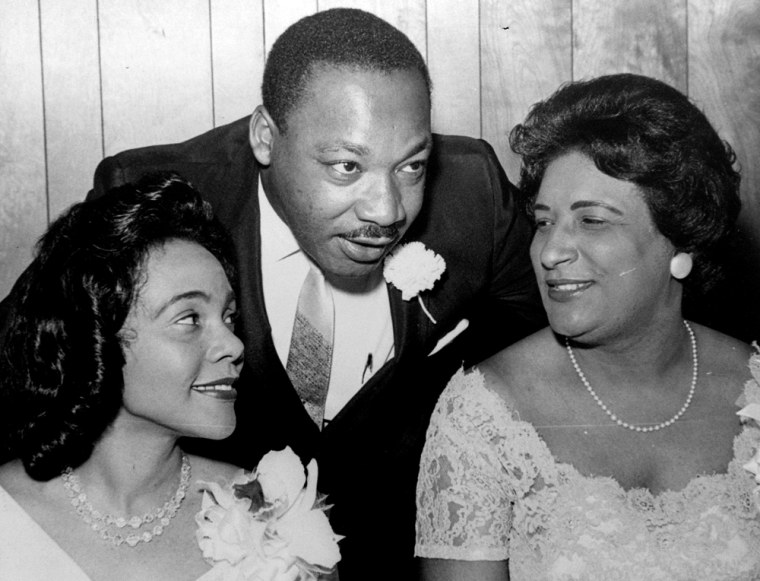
269	391
269	384
410	327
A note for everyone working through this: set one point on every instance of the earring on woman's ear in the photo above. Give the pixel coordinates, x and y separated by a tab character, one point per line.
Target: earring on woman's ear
680	265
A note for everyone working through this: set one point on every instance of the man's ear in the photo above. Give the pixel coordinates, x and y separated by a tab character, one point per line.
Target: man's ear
261	132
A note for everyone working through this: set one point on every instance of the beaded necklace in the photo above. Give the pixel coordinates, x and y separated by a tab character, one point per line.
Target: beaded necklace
104	523
637	428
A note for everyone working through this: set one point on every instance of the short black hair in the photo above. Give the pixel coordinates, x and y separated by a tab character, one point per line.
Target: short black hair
644	131
61	378
340	37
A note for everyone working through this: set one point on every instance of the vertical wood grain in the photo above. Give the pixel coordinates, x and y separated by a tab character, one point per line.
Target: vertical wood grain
279	15
23	202
406	15
525	56
156	71
637	36
724	80
72	104
453	33
172	69
237	33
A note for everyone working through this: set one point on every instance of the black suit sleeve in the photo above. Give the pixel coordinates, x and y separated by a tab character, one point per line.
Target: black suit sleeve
512	308
109	174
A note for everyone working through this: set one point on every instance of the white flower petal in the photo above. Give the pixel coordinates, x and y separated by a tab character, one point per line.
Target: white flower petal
412	268
750	411
281	476
268	545
312	539
754	362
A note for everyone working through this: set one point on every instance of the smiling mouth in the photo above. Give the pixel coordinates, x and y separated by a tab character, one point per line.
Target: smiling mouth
568	287
220	390
565	290
221	387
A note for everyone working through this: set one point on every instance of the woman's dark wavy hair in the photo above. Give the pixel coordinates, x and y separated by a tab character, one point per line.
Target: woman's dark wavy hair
61	365
644	131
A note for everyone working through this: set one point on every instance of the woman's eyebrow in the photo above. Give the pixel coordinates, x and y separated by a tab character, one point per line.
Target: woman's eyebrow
193	294
593	204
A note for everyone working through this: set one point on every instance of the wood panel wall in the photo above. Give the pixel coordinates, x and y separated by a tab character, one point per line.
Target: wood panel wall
81	79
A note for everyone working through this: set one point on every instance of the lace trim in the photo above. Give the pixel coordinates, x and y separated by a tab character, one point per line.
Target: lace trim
481	464
462	501
460	553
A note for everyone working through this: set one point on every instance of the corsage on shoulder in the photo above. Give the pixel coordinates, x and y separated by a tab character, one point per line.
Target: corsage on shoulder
267	525
751	413
750	399
412	268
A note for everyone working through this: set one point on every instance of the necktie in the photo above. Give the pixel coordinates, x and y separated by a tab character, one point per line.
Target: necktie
311	345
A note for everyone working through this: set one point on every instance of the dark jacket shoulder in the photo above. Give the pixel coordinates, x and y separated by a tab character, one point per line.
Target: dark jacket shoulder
219	163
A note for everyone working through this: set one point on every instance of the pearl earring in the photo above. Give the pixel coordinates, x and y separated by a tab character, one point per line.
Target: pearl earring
680	265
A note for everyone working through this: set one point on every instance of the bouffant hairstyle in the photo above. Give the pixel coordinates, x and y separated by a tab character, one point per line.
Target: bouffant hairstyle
644	131
340	37
61	366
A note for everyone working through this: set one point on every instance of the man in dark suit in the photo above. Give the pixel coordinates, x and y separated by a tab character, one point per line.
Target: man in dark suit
334	168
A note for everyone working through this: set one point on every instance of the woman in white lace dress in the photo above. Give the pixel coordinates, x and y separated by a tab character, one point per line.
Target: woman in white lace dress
122	341
607	446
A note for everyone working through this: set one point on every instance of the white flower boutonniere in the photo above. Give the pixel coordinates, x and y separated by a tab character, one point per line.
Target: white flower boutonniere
412	268
267	525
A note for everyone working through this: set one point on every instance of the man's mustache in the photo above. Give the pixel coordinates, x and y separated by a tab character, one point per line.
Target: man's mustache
373	231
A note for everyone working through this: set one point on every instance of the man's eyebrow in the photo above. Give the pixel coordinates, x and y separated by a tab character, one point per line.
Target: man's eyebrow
354	148
362	150
422	145
193	294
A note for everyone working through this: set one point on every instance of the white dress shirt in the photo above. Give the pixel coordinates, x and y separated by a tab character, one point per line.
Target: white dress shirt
363	340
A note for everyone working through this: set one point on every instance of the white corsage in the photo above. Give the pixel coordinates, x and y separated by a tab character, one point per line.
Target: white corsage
412	268
751	412
267	525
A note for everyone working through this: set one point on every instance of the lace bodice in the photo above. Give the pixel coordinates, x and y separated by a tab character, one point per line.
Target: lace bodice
490	489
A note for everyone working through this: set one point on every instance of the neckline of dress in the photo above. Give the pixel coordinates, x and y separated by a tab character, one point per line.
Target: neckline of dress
566	469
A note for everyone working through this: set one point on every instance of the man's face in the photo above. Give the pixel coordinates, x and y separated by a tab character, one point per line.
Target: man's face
348	174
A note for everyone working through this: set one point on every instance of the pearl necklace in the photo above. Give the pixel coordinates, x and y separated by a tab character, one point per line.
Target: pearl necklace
102	524
620	422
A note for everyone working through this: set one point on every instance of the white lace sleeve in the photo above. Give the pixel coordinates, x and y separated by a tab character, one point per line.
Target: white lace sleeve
464	498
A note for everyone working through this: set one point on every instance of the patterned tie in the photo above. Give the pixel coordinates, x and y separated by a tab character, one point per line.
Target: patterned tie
311	345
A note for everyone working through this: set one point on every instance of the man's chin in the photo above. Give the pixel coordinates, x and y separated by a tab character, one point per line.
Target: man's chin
348	274
357	272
